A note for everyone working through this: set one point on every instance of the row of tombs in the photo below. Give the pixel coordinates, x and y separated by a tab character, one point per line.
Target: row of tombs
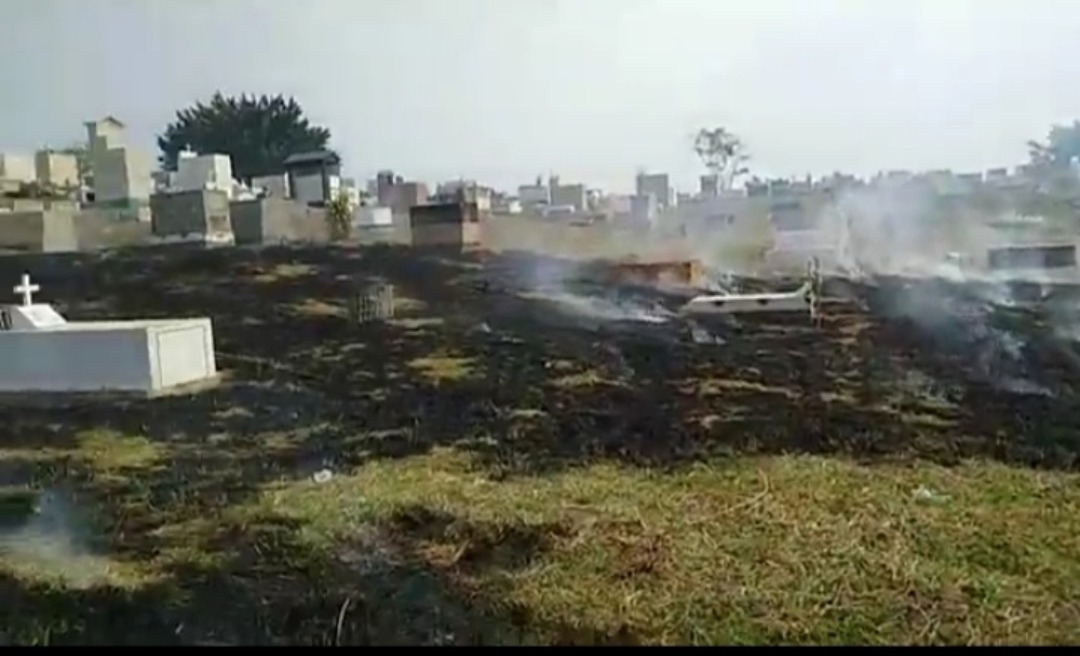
209	217
44	353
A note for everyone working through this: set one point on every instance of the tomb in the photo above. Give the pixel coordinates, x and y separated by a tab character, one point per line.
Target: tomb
201	216
677	272
275	220
38	231
452	226
803	299
42	352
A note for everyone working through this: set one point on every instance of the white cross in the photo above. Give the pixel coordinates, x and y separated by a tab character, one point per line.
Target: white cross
27	289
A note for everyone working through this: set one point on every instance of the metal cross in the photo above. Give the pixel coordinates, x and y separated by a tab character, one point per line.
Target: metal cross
27	289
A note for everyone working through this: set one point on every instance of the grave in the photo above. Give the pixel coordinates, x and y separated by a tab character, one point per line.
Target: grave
200	216
275	220
38	231
42	352
451	226
803	299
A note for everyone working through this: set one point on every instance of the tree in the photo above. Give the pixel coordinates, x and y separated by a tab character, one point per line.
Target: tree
258	133
1061	146
723	154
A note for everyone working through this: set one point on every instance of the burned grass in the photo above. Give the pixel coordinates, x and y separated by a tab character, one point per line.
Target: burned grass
432	480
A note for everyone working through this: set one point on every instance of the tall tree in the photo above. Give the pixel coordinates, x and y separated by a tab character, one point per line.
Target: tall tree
257	132
723	154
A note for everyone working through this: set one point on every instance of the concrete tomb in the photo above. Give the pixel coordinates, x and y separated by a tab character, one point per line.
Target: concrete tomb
273	220
43	352
803	299
38	231
456	226
201	216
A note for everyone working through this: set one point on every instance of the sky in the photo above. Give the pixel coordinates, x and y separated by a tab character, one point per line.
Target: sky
593	90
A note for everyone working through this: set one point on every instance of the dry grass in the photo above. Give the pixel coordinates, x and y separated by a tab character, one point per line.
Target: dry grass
442	367
283	272
751	551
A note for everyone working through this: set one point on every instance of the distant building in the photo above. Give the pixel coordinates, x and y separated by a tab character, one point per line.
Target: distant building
710	186
659	185
534	194
570	195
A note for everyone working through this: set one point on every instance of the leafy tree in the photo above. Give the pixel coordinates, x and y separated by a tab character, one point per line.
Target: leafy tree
723	154
257	132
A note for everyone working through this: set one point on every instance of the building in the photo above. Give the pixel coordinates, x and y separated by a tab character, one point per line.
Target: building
534	194
314	177
659	185
710	186
570	195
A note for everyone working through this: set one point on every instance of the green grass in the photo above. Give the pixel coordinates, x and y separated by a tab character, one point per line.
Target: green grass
747	551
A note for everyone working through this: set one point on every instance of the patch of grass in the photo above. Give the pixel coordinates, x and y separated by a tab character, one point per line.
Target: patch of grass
765	550
109	452
589	378
756	550
283	272
440	367
315	308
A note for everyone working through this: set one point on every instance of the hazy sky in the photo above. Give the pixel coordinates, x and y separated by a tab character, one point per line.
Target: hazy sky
502	90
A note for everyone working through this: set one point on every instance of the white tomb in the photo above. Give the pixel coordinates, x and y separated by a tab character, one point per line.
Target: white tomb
800	300
803	299
40	351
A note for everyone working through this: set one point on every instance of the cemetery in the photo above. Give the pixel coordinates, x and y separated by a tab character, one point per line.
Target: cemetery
394	418
516	430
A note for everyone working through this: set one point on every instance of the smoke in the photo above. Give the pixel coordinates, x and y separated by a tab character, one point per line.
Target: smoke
52	541
906	232
565	284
